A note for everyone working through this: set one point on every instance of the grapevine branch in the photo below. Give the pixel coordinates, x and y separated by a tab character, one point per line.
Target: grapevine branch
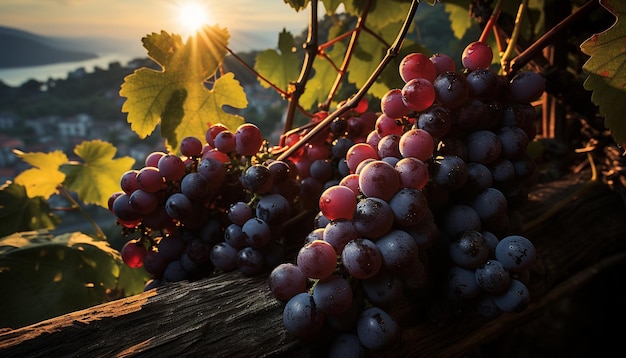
346	60
392	53
523	58
296	89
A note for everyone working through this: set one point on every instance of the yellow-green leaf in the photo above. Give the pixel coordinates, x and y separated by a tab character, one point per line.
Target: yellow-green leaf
177	97
45	176
461	21
280	68
99	175
606	68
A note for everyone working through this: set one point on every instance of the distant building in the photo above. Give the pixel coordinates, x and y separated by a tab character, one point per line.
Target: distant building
77	126
8	121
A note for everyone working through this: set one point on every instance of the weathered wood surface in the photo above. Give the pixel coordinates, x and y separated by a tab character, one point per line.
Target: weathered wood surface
235	316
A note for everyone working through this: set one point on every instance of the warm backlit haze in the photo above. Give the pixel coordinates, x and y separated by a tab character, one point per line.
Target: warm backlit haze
250	22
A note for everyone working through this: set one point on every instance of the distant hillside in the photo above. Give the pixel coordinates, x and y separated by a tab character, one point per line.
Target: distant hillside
23	49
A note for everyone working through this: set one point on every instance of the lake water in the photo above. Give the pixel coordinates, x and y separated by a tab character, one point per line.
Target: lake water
17	76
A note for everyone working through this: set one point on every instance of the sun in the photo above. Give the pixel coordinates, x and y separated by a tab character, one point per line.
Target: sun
192	16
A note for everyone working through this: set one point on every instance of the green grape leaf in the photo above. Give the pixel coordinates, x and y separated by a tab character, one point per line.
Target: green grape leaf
177	97
19	212
324	73
44	178
50	276
331	5
460	19
384	13
99	175
606	69
297	4
279	68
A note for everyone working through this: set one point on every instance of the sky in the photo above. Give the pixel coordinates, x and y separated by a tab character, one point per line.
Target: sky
137	18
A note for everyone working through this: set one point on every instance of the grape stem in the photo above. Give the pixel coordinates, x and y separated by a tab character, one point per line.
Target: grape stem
514	36
348	56
523	58
392	53
492	20
75	205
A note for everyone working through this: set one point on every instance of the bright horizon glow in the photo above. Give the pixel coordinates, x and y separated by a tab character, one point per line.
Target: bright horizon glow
192	16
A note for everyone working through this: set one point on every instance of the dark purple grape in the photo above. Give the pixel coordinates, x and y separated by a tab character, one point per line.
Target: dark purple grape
224	257
493	277
461	284
458	218
257	179
482	82
340	147
178	206
143	202
436	120
398	251
274	209
332	295
338	233
383	289
451	89
468	249
195	186
527	86
469	116
171	247
483	146
301	317
257	232
449	171
514	142
373	217
361	258
286	280
502	170
280	171
515	299
409	206
490	204
376	329
250	261
515	252
174	272
346	345
239	213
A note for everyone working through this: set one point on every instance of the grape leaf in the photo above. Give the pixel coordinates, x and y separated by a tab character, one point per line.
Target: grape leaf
279	68
460	19
44	178
297	4
324	73
99	175
19	212
177	97
49	276
606	69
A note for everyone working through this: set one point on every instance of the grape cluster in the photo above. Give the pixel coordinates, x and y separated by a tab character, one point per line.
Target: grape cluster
430	184
217	207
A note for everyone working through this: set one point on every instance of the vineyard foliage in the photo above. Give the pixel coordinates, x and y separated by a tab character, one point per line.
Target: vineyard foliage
191	92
